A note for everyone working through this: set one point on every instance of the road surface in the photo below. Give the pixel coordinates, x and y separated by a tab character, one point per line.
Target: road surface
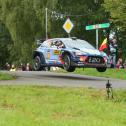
61	80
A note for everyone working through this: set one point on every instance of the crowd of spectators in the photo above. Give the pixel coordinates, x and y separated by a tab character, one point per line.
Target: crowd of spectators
22	67
115	55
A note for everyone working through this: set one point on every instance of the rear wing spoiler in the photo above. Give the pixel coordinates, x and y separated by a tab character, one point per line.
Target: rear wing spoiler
39	41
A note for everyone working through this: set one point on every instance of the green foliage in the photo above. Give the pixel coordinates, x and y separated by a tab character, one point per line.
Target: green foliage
117	9
25	20
81	13
5	44
118	14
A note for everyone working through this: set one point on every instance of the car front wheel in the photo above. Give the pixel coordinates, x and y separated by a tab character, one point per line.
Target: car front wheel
67	64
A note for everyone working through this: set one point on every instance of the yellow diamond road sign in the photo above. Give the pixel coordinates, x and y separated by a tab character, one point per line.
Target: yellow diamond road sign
68	25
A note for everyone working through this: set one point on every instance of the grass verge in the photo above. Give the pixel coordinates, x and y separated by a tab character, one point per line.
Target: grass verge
5	76
109	73
51	106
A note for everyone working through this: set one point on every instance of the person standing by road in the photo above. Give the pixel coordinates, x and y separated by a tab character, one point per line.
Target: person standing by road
13	68
113	52
28	67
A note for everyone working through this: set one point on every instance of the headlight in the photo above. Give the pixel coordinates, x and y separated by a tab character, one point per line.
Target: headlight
83	58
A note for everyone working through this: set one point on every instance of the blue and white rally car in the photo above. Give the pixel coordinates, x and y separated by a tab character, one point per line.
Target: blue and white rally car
68	53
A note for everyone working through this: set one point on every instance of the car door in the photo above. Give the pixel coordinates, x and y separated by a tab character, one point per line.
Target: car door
45	49
53	54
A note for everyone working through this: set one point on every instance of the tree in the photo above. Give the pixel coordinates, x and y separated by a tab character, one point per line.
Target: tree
5	45
117	11
116	8
81	13
25	20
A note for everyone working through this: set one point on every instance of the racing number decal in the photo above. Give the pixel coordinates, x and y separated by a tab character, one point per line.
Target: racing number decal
57	52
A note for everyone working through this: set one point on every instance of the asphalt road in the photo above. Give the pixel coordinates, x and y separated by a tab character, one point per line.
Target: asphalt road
60	80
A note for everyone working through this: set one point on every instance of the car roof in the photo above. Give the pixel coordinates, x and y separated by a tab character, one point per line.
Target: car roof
64	39
68	41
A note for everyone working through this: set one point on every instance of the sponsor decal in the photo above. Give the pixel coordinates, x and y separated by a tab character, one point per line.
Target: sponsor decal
57	52
48	55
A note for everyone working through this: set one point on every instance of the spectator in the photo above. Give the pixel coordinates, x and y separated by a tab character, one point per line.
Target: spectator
13	68
119	64
7	66
23	67
124	64
28	67
113	52
59	44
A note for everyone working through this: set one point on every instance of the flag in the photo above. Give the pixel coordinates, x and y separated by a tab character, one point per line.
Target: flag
103	45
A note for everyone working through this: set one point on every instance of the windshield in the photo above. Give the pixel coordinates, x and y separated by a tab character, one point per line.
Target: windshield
77	44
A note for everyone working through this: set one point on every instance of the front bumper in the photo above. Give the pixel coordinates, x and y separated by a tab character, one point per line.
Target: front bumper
87	65
78	63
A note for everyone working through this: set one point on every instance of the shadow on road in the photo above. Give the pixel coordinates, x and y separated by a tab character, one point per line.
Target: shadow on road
69	77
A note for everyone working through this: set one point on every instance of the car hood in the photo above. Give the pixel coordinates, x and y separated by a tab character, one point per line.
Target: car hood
90	51
87	51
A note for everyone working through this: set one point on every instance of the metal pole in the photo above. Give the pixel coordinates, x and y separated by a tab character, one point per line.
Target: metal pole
46	23
69	35
96	38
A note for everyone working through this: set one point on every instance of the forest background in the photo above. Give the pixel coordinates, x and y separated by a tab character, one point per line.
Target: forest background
22	23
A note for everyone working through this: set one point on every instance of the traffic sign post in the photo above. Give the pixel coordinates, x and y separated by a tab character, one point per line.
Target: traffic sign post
97	26
96	38
68	26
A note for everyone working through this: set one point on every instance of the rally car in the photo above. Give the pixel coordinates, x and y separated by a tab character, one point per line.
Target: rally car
68	53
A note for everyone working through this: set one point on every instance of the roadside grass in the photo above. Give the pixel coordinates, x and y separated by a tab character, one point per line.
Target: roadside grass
109	73
53	106
5	76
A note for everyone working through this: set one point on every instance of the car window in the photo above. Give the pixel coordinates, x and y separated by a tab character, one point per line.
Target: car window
53	43
57	44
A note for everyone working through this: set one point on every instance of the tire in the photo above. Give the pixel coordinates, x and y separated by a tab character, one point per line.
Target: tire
101	69
67	64
37	63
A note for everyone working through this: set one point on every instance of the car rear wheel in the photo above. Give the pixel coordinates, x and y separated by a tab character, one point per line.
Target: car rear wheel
37	63
67	64
101	69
